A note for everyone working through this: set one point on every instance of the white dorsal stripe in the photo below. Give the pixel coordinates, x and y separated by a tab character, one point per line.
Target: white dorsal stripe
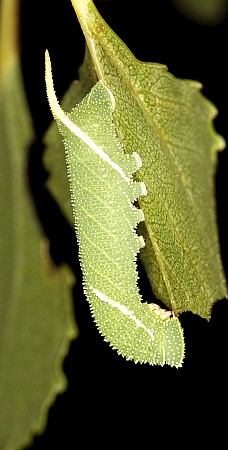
58	113
122	309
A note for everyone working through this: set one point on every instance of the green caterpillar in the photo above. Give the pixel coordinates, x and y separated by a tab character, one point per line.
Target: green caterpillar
103	192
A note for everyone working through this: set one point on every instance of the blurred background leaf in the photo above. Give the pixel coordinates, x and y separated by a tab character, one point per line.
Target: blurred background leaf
204	12
36	315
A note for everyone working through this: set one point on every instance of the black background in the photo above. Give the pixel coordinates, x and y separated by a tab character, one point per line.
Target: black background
110	400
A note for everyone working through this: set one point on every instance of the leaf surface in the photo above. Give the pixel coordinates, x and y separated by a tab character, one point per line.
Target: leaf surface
169	123
36	317
102	195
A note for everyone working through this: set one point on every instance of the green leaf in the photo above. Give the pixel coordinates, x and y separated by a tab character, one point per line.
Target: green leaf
36	317
205	12
102	194
169	123
54	156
